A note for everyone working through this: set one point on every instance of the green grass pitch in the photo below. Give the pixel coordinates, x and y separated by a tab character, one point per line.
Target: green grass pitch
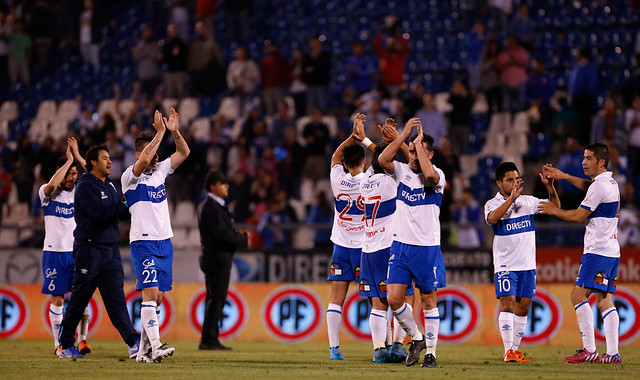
29	359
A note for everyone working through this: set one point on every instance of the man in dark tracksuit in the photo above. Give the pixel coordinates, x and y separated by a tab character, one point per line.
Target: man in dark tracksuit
219	242
96	255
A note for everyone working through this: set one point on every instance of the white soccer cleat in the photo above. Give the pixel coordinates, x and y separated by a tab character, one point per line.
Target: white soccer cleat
161	352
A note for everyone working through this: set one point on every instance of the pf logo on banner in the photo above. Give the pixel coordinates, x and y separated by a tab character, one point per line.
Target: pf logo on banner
628	306
235	313
356	316
544	318
95	314
291	313
14	312
134	304
459	315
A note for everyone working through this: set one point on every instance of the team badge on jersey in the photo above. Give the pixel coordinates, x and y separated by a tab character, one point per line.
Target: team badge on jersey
382	286
602	278
364	286
335	270
357	271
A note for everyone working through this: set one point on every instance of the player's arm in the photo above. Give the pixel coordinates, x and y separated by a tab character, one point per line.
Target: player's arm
152	148
71	141
431	176
58	177
390	133
359	135
497	214
578	215
551	189
182	149
386	157
581	183
337	155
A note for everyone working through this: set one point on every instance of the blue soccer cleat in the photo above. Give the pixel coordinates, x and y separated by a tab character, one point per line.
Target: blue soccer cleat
381	355
133	350
70	353
613	359
336	354
397	353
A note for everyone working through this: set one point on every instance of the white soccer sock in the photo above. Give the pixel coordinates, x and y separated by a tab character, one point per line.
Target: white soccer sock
611	323
519	325
585	323
149	321
505	321
431	328
398	332
378	326
404	316
84	325
334	319
143	342
389	339
55	317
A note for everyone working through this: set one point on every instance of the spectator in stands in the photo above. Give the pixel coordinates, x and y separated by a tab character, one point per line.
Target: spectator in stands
174	55
42	26
375	117
474	42
565	122
24	161
254	116
432	120
413	99
116	151
468	13
47	158
179	17
512	62
204	63
298	88
461	101
261	190
237	15
583	86
465	212
360	69
632	87
539	89
449	163
321	212
571	163
316	67
290	167
498	12
280	121
19	56
206	11
240	196
522	26
628	230
608	125
392	59
316	136
242	156
215	152
269	226
632	125
242	77
90	35
147	55
5	187
157	15
490	82
275	75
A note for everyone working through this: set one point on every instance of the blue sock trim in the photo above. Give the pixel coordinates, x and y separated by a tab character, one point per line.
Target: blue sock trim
604	316
401	311
148	306
431	317
334	311
53	312
508	312
580	304
378	315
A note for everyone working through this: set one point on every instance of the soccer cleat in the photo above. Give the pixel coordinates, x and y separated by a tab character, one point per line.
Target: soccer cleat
397	353
69	353
84	348
510	357
336	354
414	352
58	351
133	350
520	358
144	358
161	352
429	361
381	355
612	359
582	356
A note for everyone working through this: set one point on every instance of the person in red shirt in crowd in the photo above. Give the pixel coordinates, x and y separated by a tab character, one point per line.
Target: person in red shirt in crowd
512	62
275	76
392	58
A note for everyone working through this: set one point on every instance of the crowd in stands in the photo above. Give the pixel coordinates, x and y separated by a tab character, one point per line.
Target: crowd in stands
266	90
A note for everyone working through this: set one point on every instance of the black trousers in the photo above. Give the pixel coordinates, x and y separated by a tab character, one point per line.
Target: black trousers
217	274
97	266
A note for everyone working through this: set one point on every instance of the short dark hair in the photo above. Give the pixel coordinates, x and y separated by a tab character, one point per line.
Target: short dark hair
143	138
377	168
503	168
601	151
213	177
63	160
353	155
93	153
428	139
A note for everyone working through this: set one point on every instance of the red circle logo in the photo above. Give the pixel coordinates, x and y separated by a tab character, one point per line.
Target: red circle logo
235	313
355	316
95	314
291	313
459	315
14	312
134	301
628	307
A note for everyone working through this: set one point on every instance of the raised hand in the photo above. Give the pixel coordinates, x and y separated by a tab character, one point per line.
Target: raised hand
547	208
358	127
553	173
157	122
419	136
389	131
174	122
413	122
72	144
69	153
517	189
546	180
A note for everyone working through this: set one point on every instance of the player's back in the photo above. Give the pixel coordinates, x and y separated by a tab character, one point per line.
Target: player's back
601	233
59	221
348	223
379	197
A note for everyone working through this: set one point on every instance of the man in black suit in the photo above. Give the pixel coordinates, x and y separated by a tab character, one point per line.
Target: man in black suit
219	241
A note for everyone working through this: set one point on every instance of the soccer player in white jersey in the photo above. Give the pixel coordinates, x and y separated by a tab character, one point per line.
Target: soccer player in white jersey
510	214
378	191
151	250
598	271
347	233
56	197
415	252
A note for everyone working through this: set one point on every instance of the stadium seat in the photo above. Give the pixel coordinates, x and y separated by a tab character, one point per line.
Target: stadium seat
47	110
441	100
180	237
200	128
521	123
188	109
58	129
107	106
229	108
38	130
68	110
8	237
125	106
184	214
500	122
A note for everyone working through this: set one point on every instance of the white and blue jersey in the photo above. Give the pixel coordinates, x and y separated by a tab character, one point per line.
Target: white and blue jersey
603	200
514	241
59	224
348	225
147	199
379	197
